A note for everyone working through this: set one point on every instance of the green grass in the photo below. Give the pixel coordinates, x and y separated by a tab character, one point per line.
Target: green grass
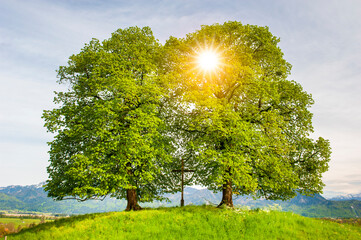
20	221
192	222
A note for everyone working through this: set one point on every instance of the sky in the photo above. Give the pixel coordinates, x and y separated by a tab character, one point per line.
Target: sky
320	38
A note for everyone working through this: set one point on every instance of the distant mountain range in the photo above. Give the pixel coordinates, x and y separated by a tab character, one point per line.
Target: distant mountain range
347	197
33	198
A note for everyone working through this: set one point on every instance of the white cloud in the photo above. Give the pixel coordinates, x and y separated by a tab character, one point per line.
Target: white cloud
27	167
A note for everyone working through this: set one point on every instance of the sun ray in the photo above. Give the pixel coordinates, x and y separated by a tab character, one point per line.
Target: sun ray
207	63
208	60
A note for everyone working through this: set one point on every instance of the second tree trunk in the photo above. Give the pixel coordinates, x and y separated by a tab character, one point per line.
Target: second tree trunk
132	200
227	194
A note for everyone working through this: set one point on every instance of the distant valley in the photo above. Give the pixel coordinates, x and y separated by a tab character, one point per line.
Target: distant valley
33	199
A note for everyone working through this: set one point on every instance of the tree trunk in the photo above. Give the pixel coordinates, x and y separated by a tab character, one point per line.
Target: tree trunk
227	194
132	200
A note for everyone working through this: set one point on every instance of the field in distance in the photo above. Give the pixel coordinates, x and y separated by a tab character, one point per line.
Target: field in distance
191	222
12	224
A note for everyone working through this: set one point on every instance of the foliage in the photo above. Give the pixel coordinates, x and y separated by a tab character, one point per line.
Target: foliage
133	106
191	223
246	123
107	126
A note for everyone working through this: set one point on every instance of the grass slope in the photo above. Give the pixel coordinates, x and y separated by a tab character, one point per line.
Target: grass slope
20	221
191	222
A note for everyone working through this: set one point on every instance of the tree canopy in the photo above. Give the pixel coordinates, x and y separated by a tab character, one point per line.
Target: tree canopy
251	124
135	107
108	128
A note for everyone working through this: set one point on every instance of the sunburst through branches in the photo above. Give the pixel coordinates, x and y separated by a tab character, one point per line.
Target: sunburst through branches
208	60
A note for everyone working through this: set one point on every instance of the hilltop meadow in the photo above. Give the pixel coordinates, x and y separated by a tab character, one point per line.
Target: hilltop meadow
191	222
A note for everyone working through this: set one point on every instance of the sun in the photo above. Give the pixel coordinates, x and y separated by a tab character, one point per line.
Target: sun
208	60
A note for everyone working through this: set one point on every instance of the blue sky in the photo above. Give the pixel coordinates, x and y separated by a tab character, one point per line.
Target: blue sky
320	38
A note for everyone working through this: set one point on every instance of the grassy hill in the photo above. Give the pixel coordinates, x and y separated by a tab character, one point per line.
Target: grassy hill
191	222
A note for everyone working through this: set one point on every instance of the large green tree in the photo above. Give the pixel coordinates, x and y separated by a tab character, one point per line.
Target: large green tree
108	126
250	125
242	126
